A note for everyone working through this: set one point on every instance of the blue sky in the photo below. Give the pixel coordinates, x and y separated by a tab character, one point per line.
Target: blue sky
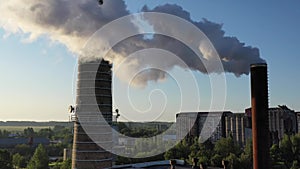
37	78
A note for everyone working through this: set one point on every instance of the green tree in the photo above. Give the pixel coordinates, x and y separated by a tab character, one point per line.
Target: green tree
47	132
29	132
295	140
24	150
226	149
245	161
67	164
225	146
4	133
39	159
216	160
194	148
233	161
275	154
286	150
246	158
289	148
18	161
179	151
248	150
295	165
202	151
5	160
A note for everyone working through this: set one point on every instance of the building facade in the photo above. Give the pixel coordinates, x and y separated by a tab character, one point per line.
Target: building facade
212	125
235	127
282	120
298	121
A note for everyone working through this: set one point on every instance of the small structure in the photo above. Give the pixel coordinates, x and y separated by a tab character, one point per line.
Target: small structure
173	164
195	165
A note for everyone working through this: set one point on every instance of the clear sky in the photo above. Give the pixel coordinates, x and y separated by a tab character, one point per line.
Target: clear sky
37	78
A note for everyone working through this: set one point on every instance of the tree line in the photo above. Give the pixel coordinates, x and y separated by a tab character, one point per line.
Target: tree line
28	156
285	155
39	160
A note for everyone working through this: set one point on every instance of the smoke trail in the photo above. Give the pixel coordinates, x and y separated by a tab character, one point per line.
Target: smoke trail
68	22
73	22
235	56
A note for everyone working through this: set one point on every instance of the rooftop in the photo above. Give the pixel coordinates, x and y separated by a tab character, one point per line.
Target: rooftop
156	165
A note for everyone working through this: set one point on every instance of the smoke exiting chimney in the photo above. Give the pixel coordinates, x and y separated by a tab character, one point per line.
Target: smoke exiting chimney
260	116
72	23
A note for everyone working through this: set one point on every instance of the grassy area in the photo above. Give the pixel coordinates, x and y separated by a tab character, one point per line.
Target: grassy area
21	128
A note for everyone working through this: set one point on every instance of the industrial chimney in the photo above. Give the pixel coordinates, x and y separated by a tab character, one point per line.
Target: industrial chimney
260	116
93	116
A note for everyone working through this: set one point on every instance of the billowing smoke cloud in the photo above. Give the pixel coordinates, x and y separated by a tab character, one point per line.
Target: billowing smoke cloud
70	22
235	56
73	22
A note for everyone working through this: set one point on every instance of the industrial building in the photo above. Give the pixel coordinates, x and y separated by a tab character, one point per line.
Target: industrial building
298	121
218	124
93	116
282	120
207	125
235	127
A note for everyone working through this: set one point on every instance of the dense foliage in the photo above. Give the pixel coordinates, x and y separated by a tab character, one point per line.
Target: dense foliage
40	159
22	154
5	160
212	154
286	155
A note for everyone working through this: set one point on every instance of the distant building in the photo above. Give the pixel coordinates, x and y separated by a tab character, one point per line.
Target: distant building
12	142
159	126
169	137
282	120
207	125
298	121
235	127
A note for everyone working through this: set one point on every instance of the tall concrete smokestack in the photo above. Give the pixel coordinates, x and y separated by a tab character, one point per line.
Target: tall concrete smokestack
92	126
260	116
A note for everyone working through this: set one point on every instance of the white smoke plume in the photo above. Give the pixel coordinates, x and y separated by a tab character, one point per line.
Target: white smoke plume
72	22
235	56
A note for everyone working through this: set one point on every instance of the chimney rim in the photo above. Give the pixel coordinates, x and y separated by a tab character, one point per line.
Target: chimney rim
258	65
